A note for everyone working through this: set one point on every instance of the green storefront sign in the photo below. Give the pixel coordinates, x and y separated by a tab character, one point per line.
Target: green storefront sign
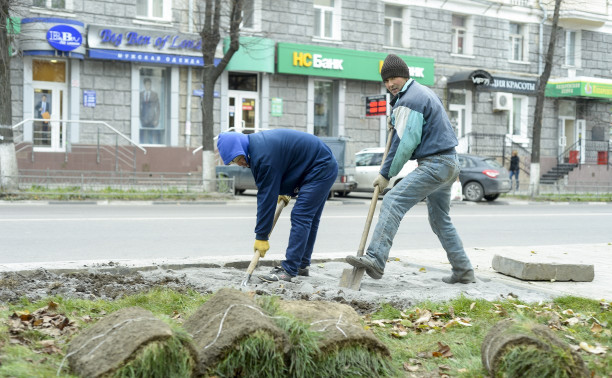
578	87
254	54
345	64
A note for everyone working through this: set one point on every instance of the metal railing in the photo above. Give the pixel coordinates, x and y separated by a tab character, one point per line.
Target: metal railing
111	184
497	146
96	141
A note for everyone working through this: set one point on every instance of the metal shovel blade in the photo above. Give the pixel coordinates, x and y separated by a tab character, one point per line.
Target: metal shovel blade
251	268
351	278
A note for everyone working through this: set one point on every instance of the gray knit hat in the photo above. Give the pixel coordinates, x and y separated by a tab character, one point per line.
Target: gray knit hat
394	66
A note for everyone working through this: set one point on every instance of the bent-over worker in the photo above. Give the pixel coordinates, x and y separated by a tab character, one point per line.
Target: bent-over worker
284	163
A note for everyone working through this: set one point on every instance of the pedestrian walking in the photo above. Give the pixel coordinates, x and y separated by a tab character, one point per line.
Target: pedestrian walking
422	132
514	169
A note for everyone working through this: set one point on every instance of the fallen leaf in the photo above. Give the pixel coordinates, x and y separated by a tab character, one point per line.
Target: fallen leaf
399	335
321	266
444	367
593	349
52	306
596	328
422	270
472	305
409	367
533	252
443	351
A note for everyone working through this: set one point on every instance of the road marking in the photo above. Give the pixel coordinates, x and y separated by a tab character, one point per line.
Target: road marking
287	217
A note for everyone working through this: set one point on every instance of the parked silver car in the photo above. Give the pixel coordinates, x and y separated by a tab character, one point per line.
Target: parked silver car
367	162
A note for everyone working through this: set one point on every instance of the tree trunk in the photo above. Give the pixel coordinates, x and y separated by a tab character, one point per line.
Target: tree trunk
8	159
211	37
534	178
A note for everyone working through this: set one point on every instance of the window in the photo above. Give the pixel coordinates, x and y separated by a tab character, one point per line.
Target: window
462	35
327	19
572	48
251	15
54	4
159	9
323	107
516	42
518	117
393	26
154	99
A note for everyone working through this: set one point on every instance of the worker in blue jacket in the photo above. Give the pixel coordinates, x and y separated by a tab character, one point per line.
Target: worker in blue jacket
285	163
422	132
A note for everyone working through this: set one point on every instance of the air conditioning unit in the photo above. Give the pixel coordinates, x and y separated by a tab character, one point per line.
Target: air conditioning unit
502	101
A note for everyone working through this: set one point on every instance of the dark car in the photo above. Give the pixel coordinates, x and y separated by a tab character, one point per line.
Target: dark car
482	177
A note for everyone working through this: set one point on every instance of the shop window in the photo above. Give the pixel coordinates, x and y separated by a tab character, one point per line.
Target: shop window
572	48
462	35
154	100
323	108
49	70
238	81
518	42
327	19
156	9
518	118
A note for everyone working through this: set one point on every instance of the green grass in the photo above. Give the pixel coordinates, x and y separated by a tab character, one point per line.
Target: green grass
564	197
442	346
76	193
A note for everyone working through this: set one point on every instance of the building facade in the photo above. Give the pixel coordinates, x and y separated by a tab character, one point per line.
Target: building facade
311	66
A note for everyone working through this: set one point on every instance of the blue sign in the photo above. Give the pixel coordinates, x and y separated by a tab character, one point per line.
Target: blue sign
64	37
200	93
137	56
89	99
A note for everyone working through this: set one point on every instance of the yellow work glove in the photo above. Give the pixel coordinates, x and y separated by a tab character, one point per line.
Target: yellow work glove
284	199
381	181
389	124
262	246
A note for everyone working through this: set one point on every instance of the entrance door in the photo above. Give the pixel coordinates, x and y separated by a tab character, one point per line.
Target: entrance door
457	118
50	110
243	111
567	139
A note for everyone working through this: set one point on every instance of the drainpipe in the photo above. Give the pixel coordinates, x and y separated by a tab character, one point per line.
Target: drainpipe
541	44
188	115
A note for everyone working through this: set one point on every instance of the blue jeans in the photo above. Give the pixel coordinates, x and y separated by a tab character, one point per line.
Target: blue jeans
515	174
432	180
305	218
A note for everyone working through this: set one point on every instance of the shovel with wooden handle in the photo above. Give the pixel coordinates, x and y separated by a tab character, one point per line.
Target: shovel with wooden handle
255	259
351	277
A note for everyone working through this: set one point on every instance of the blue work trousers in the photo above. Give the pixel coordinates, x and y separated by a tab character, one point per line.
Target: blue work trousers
432	180
305	218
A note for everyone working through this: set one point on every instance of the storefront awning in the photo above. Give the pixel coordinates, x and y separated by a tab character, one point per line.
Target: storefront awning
590	87
484	81
255	54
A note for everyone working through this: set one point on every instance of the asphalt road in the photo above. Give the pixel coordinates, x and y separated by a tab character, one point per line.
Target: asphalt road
72	232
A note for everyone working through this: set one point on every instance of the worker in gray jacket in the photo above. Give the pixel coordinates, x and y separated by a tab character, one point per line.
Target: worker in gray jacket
422	132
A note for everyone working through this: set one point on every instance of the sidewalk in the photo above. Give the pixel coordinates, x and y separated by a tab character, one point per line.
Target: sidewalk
411	276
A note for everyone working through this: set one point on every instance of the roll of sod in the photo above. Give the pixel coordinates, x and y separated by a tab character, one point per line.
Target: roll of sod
328	340
131	342
233	337
525	349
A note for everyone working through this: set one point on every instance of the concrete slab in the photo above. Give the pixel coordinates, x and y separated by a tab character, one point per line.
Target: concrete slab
530	270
